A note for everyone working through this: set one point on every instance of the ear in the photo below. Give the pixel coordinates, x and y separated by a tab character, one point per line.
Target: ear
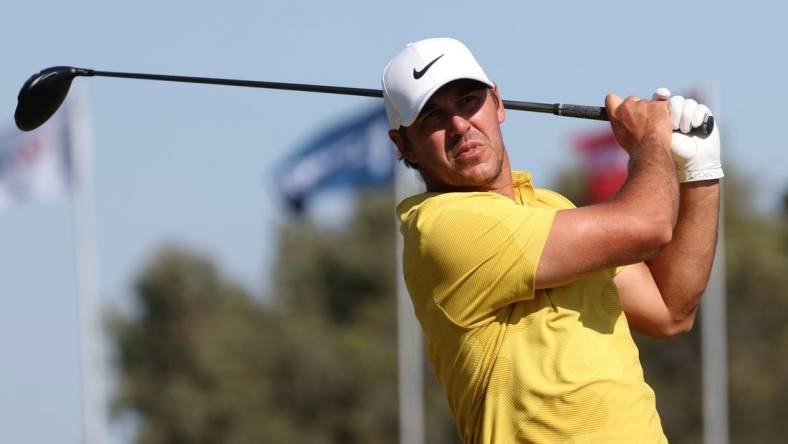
403	146
499	104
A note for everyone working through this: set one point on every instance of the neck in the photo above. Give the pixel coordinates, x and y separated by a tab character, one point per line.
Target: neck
502	184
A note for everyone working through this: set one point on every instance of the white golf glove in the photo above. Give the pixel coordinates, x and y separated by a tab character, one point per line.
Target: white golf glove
697	158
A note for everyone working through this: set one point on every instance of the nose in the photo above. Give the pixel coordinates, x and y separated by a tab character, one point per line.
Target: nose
459	124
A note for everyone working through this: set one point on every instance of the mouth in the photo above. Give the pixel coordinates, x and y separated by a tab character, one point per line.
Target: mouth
466	150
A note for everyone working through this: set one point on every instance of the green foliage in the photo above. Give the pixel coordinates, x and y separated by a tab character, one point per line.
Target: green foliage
757	286
187	357
202	361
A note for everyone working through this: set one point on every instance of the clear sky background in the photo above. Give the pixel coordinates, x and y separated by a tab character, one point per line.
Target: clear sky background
192	164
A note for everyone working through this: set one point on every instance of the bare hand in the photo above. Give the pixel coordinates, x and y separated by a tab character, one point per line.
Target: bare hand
638	123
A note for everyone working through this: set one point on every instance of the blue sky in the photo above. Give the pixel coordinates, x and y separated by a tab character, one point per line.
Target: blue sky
193	164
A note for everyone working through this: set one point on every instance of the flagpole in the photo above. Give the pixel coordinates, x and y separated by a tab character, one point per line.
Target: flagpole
86	265
713	325
714	348
409	342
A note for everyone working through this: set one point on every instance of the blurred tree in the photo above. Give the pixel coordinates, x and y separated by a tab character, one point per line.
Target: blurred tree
204	362
757	266
189	358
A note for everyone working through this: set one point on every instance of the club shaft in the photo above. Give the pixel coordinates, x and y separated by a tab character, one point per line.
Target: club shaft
247	83
509	104
559	109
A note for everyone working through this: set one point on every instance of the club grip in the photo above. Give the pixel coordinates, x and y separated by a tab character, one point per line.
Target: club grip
580	111
600	113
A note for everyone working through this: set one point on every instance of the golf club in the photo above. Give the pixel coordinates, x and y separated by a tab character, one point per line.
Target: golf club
43	93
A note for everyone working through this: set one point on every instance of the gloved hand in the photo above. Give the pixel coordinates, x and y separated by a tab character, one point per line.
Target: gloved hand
697	158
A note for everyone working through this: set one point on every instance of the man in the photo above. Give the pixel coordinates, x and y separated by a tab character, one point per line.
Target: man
526	302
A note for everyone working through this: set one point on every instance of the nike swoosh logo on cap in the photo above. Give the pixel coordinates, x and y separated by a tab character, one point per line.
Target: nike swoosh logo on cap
418	74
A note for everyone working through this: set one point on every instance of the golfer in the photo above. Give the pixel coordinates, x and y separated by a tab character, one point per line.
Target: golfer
525	301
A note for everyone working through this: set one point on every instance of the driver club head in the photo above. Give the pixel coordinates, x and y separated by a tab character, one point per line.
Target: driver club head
41	96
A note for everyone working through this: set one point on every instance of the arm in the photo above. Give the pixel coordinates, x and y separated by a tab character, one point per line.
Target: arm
661	297
639	221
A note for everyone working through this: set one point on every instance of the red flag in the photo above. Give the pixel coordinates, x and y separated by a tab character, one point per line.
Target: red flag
605	164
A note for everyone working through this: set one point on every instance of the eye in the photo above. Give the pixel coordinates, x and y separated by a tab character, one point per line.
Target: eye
469	100
432	115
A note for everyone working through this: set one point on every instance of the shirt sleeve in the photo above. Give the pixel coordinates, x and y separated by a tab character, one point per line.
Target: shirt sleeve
475	253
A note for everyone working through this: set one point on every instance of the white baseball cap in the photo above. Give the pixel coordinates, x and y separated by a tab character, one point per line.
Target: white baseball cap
413	76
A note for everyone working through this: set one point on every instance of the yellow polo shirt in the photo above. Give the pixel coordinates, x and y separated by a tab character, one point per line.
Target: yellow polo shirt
519	364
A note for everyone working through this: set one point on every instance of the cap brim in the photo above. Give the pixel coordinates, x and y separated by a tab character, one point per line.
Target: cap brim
414	113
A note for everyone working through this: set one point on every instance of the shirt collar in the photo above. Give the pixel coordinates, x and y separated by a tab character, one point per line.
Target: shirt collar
523	188
521	182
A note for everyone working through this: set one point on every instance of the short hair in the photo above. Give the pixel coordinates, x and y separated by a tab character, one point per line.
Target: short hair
400	157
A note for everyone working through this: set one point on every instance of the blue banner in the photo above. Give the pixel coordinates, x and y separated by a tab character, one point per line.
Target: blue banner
356	153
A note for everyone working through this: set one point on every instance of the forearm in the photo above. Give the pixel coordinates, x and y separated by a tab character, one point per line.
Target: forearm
648	199
681	269
640	219
651	190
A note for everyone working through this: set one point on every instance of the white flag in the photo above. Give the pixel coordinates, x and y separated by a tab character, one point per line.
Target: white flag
35	165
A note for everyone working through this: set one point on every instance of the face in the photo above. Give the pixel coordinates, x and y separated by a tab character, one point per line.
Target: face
456	140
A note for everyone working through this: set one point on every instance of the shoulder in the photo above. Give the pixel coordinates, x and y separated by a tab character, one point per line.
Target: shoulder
553	199
474	218
432	205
